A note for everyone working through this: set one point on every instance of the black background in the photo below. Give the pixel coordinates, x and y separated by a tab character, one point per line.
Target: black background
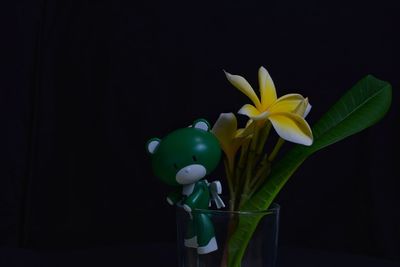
84	84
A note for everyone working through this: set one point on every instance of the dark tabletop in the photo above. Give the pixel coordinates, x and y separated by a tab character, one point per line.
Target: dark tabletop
165	255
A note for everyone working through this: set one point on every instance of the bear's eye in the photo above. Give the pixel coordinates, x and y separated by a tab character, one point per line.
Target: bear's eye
194	158
175	166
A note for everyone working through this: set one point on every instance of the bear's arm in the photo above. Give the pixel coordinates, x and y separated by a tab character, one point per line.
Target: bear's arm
174	197
195	199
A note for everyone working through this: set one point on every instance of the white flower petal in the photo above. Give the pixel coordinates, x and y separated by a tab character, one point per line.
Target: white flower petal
225	128
240	83
267	88
308	109
292	127
249	110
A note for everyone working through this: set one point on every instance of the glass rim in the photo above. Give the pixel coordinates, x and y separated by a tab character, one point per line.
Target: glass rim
273	209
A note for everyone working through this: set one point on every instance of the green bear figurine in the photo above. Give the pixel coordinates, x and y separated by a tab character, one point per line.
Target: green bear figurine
182	159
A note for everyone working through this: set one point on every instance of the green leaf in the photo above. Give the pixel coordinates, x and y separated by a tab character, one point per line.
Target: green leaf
361	107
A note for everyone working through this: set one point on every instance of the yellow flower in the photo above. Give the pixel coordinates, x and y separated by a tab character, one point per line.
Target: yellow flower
229	136
285	113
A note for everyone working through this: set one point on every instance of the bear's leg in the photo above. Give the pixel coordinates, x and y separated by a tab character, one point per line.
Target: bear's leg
205	234
191	238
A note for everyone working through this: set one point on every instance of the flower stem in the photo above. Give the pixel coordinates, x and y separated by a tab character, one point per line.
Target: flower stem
263	166
276	149
230	185
239	171
232	224
263	138
251	153
260	178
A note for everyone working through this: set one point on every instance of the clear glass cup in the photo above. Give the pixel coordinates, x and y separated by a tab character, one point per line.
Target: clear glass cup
261	250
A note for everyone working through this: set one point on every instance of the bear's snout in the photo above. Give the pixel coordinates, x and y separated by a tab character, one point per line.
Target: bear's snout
190	174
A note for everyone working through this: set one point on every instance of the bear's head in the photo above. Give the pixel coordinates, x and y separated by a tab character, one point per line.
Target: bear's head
185	155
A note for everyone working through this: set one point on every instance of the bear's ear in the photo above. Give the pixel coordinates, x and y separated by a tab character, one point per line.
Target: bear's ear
152	145
201	124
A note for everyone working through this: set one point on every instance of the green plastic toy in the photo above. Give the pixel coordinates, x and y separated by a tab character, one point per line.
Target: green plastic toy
182	159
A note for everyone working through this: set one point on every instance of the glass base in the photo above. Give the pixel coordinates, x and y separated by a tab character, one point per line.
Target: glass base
203	238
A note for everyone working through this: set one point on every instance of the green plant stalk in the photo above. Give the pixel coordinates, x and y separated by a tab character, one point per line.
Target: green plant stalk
233	220
257	169
237	174
361	107
276	149
261	174
249	167
249	179
240	167
229	179
263	138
